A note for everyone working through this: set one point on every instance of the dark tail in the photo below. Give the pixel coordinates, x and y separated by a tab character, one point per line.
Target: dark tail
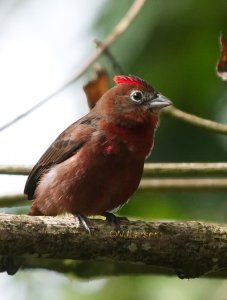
10	263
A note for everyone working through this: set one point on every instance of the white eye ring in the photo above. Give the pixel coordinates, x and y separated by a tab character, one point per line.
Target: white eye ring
136	96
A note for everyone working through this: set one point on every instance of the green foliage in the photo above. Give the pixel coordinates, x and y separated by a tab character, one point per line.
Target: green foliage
175	46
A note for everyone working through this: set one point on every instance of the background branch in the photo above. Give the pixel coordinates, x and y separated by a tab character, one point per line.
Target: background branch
120	28
169	184
184	168
149	169
115	65
160	184
189	249
15	170
195	120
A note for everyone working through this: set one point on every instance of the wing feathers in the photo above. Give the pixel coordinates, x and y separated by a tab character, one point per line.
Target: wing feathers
66	145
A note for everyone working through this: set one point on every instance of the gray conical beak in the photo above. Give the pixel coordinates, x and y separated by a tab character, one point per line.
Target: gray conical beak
159	102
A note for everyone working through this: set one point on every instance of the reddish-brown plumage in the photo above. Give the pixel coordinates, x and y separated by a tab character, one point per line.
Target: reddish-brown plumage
96	164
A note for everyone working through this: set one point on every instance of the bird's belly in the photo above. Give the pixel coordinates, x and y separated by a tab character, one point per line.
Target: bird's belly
89	184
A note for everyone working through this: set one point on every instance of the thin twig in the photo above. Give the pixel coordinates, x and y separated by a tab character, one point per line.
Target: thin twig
121	27
15	170
185	168
149	169
116	66
195	120
184	184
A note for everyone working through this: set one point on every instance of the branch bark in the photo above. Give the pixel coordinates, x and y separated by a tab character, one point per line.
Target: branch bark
189	249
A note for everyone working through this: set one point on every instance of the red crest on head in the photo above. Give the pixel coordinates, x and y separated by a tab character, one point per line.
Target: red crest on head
122	79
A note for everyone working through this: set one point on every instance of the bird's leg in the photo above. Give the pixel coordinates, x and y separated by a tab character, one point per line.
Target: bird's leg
84	221
111	218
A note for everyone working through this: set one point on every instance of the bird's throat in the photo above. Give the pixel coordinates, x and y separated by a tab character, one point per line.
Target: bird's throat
138	137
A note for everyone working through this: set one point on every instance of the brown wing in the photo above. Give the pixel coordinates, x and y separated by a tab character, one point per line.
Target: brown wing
66	144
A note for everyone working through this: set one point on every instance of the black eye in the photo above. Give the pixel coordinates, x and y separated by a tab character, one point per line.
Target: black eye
136	96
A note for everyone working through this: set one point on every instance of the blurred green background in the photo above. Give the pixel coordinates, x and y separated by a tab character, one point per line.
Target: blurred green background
175	46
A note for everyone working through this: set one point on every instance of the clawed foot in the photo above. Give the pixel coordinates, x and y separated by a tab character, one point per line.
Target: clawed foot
84	221
111	218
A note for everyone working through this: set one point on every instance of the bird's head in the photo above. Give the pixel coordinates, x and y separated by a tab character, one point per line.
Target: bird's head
132	98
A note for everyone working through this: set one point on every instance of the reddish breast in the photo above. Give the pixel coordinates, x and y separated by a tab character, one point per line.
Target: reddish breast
139	139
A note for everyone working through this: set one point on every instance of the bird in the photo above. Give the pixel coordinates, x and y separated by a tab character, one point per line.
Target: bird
96	164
